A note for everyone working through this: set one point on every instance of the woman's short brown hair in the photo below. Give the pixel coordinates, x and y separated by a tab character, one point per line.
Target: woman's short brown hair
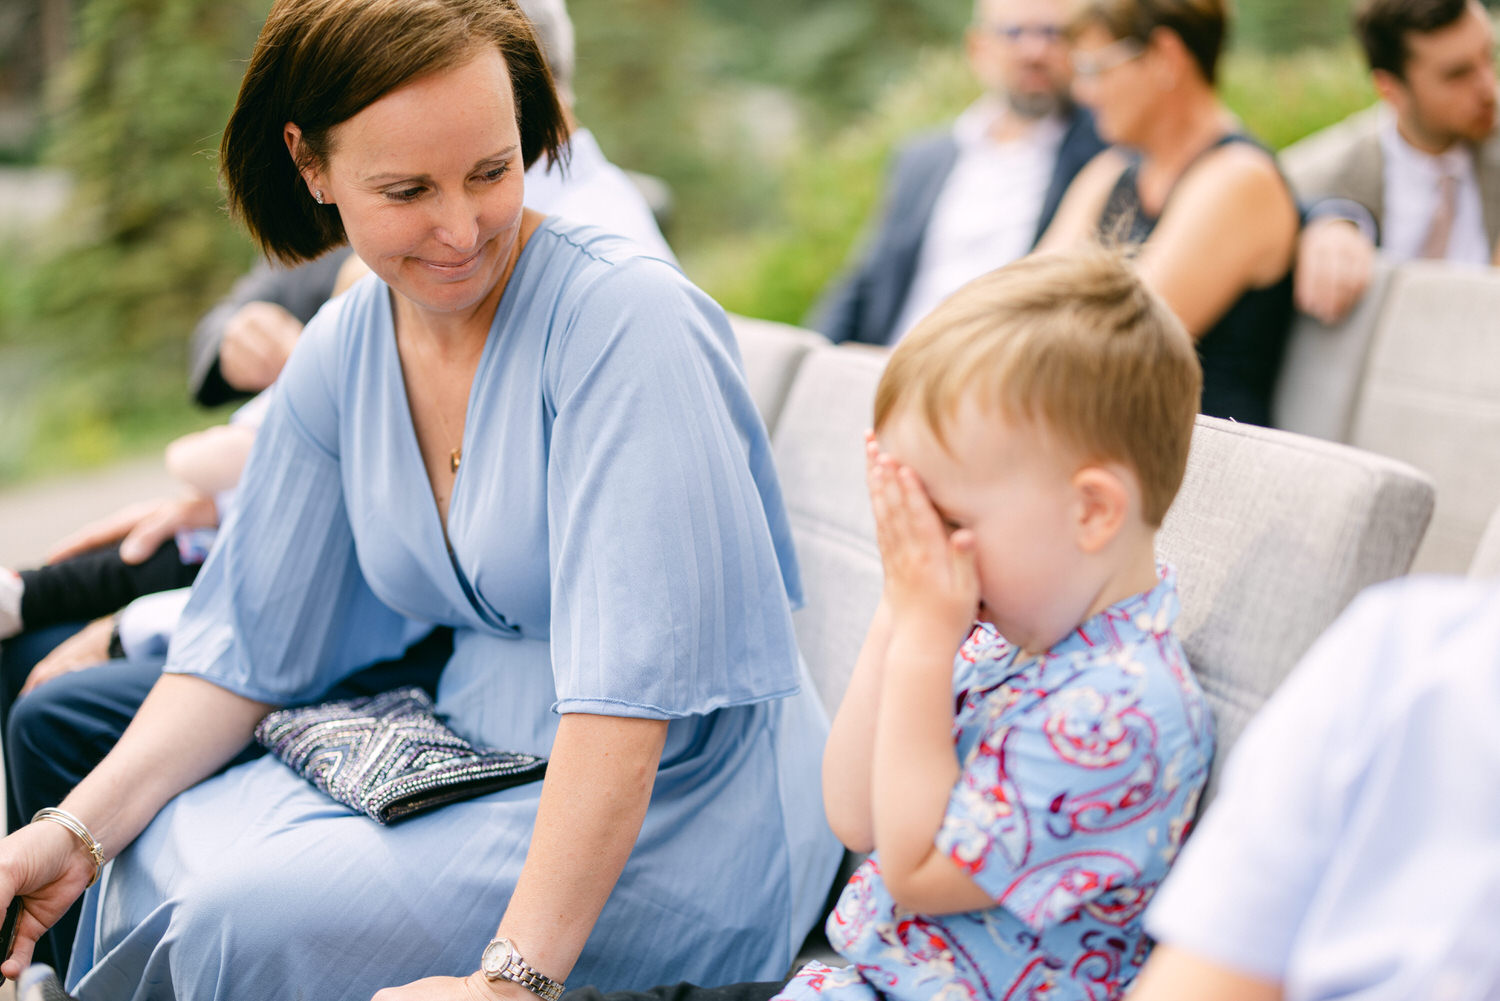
318	63
1074	342
1201	24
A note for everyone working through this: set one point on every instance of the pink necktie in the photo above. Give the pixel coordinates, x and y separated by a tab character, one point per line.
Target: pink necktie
1435	244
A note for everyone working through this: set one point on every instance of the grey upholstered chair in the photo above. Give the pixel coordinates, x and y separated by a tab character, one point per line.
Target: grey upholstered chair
1272	535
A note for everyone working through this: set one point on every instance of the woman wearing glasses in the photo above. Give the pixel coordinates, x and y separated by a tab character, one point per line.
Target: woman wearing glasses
1215	222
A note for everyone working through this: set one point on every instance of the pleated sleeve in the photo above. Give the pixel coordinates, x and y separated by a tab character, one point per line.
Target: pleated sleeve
670	556
280	611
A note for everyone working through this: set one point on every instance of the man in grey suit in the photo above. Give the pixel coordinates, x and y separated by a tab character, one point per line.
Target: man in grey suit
980	194
1417	176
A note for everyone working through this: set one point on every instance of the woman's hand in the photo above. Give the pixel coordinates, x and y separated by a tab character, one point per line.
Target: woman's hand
49	868
931	576
140	528
89	647
474	987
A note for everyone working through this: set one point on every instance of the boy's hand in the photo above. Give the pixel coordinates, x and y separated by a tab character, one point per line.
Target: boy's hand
931	576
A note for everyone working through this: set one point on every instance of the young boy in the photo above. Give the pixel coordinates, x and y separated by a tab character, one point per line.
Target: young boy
1029	436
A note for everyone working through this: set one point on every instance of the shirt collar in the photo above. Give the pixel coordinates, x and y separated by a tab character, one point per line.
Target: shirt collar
971	130
1456	161
1144	615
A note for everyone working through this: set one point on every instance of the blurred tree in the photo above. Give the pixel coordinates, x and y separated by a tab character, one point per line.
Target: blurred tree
145	245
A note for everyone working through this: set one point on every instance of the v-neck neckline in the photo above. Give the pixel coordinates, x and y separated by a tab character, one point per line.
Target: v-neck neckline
434	518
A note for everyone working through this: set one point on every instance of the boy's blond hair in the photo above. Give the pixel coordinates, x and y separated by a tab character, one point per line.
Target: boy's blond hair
1075	341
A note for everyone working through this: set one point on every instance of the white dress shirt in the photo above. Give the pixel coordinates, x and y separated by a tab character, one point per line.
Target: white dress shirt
987	213
1411	196
592	190
1352	852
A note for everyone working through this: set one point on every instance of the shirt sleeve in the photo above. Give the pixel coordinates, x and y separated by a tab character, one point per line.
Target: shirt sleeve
1068	802
671	557
1242	885
280	611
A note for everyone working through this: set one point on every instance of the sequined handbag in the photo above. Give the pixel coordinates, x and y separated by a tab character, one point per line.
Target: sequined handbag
388	755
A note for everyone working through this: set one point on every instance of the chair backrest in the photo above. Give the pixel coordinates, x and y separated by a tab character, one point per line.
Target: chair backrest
1431	397
772	353
1318	388
819	447
1272	534
1486	562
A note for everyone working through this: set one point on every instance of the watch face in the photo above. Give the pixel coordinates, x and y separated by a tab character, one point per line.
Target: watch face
496	958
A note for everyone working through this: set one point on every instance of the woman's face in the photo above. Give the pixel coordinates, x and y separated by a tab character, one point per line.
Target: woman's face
428	182
1109	77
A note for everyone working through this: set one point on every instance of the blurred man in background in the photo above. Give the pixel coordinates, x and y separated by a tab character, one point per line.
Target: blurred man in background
1418	176
979	194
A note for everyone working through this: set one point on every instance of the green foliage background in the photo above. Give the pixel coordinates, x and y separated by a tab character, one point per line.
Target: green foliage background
772	122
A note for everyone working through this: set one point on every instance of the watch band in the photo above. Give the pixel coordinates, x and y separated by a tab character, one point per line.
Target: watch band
502	961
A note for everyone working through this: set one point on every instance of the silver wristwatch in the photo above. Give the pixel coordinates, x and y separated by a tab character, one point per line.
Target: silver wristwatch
502	961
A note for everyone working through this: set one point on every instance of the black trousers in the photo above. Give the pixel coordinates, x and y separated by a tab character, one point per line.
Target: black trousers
98	583
681	992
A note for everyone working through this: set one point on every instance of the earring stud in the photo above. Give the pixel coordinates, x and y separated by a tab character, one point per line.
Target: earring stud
318	195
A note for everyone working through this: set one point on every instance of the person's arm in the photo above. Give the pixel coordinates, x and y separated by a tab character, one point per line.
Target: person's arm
851	741
141	528
259	319
1231	226
932	586
211	461
594	798
1174	975
851	738
1335	261
185	730
1077	218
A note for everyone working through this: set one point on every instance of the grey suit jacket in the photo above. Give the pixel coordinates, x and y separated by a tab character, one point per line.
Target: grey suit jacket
1345	161
865	303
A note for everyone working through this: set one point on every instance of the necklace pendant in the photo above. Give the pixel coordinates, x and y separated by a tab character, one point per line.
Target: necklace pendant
454	458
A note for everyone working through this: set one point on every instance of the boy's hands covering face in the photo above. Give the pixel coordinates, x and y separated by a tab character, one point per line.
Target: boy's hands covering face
931	576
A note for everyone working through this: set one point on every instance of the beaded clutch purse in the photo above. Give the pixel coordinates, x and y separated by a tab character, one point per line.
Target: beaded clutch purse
388	755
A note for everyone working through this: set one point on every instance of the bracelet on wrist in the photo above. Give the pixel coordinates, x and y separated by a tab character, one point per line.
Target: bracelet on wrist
65	819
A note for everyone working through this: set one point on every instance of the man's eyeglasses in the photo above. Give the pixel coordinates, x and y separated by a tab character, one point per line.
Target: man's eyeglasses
1087	65
1049	33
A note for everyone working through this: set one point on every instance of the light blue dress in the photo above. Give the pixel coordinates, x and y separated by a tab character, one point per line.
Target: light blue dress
1081	770
619	546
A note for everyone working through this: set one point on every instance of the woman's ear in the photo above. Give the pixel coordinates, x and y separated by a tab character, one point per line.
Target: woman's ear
292	136
1172	58
1103	496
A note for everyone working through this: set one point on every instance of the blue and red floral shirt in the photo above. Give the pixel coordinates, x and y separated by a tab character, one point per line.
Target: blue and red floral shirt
1081	771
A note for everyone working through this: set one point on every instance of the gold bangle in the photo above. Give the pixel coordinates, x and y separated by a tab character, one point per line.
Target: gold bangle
72	823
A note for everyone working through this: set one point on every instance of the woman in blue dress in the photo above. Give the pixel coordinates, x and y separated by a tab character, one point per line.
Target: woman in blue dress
518	427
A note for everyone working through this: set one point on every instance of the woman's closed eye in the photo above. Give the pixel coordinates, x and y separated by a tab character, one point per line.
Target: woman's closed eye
411	193
404	194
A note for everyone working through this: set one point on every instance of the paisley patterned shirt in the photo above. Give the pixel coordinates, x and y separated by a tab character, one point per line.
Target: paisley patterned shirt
1081	771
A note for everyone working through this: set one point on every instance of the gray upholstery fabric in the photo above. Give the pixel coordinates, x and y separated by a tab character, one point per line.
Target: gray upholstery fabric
1486	561
1272	534
771	352
820	457
1324	367
1431	397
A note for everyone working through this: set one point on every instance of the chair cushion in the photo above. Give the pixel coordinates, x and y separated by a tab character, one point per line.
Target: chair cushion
819	448
1432	398
772	353
1272	534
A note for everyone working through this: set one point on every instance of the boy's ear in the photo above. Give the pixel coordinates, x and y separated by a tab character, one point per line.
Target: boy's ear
1103	505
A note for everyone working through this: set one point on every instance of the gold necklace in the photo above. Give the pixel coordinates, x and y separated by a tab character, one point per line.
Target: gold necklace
456	455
